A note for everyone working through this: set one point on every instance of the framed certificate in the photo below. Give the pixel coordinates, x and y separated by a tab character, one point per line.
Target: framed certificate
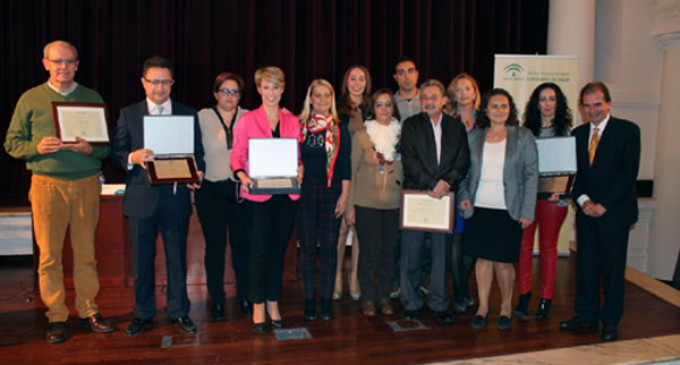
168	170
272	165
421	212
88	121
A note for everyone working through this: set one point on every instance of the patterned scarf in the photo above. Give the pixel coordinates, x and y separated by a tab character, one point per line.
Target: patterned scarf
318	123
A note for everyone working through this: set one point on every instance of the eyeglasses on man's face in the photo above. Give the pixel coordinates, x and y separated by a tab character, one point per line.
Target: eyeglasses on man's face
160	82
62	61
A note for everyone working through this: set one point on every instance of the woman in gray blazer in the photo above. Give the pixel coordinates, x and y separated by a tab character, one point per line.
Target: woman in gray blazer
497	199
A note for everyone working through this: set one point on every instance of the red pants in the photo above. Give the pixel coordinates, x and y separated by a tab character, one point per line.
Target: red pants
549	217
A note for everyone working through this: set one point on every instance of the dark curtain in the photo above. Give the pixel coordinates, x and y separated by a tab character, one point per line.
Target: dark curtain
307	38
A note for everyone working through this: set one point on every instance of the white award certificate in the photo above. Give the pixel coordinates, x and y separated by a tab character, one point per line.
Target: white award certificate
421	212
169	134
84	120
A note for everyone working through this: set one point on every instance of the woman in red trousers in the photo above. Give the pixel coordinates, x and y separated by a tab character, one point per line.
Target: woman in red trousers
546	115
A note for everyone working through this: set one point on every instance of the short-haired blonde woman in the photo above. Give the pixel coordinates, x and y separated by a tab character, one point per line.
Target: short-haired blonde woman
269	218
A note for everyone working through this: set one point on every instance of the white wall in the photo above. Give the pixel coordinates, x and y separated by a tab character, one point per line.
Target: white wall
630	59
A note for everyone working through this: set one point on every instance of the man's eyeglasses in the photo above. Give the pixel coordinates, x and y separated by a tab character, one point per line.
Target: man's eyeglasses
227	92
61	61
159	82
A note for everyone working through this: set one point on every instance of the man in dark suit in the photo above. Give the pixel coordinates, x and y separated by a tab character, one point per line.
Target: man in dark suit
435	158
608	157
153	209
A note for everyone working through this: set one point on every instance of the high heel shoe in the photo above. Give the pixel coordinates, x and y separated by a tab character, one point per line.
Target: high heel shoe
337	295
276	323
543	310
355	295
259	327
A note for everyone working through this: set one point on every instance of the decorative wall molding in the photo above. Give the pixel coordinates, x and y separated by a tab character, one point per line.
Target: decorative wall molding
667	14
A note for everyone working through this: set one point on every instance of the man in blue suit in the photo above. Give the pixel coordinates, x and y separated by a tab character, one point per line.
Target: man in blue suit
608	158
153	209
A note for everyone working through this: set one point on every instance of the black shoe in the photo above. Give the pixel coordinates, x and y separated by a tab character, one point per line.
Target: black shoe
444	316
138	326
326	310
277	324
577	323
217	312
246	308
478	322
504	322
185	324
410	315
97	323
57	332
310	309
259	327
522	306
610	332
543	310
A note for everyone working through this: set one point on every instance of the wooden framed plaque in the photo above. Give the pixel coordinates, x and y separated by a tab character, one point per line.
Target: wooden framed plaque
421	212
88	121
555	184
169	170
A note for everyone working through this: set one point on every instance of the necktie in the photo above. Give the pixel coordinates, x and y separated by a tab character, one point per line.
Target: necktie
159	110
594	140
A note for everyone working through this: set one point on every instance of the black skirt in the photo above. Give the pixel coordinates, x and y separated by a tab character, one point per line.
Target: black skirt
491	234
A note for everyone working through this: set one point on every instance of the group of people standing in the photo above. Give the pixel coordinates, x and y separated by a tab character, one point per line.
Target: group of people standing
356	153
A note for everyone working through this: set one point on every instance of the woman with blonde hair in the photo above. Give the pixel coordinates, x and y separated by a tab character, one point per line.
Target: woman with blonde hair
464	100
269	218
325	153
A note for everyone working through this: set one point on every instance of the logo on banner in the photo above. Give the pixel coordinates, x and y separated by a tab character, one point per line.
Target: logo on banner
514	69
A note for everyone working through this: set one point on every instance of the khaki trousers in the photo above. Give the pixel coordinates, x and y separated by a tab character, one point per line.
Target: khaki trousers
57	204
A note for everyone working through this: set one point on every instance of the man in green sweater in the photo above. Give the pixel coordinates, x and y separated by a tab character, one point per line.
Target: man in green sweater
64	192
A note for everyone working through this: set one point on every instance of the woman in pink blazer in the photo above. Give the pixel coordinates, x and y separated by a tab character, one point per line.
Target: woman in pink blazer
269	218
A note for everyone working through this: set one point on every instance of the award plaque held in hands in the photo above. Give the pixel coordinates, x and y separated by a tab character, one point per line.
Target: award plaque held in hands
272	165
171	138
556	164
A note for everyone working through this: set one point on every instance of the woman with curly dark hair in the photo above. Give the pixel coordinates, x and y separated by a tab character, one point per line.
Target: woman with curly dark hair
497	199
546	115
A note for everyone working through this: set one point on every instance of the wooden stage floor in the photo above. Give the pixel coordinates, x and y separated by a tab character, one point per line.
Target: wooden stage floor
347	339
